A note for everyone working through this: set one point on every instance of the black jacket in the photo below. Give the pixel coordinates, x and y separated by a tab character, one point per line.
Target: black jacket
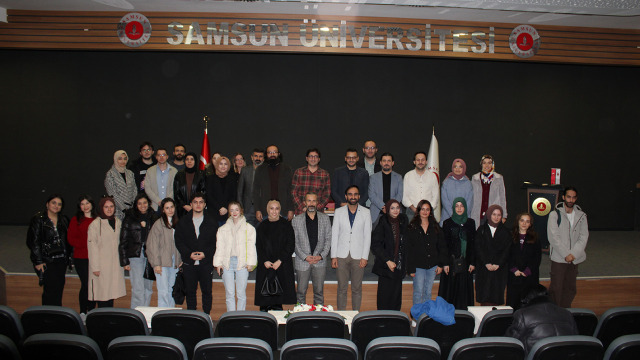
383	246
541	319
262	189
341	181
376	167
139	169
41	238
221	191
180	189
187	242
426	250
133	236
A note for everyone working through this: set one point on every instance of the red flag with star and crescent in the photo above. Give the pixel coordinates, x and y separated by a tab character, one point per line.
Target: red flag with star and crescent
205	152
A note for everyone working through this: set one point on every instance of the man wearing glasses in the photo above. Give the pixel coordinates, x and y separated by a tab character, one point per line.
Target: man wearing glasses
370	162
347	176
272	181
310	179
159	179
144	162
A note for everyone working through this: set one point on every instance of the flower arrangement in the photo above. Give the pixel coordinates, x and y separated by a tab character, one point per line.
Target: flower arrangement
308	307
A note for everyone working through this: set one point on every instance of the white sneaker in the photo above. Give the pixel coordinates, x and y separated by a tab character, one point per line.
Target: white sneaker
413	323
83	316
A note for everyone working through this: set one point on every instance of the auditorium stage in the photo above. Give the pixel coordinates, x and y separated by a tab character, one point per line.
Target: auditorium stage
610	276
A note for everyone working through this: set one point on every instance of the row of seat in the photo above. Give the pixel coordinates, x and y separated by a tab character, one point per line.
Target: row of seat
190	327
79	347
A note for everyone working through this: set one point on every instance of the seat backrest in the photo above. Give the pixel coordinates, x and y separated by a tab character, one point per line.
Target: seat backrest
487	348
314	324
572	347
146	347
10	325
586	320
402	348
626	347
446	335
8	349
249	324
616	322
61	346
319	348
495	323
370	325
106	324
52	319
187	326
232	348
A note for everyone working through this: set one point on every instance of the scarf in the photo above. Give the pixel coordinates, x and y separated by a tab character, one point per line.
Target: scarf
194	168
116	155
101	208
395	229
464	170
490	211
460	220
487	178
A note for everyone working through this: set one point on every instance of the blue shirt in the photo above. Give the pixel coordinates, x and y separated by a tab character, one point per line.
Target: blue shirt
162	179
352	216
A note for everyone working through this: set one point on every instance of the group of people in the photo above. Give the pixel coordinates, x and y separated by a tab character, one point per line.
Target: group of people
162	215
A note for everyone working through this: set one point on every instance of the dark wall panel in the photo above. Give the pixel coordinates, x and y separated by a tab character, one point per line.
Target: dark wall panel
65	113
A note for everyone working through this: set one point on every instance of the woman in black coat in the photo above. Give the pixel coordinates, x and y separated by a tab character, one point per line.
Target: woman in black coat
493	242
524	261
50	251
275	244
456	285
222	188
387	245
187	182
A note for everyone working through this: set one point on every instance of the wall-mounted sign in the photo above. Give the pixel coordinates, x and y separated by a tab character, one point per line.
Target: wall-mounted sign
524	41
134	29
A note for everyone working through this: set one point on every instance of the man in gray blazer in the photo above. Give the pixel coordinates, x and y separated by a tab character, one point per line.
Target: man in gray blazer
383	186
158	183
245	186
313	241
350	243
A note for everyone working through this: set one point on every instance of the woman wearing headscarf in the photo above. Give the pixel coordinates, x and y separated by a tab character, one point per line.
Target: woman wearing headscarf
524	260
456	184
488	189
387	245
133	239
47	241
493	242
456	285
106	276
222	188
120	183
188	181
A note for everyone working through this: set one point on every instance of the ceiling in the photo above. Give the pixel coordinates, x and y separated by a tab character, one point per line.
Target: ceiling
621	14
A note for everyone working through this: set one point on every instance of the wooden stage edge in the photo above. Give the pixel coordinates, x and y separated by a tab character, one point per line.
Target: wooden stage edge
20	291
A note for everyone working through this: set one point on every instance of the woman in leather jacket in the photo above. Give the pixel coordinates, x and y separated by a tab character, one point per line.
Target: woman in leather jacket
133	237
187	182
50	251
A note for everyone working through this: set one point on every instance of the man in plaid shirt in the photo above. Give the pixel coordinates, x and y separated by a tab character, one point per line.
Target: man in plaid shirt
310	178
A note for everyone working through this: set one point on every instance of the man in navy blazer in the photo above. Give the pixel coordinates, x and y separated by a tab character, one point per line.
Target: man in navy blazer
383	186
350	244
348	175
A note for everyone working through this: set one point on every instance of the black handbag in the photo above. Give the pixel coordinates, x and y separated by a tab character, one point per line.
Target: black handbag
149	274
459	265
271	285
179	291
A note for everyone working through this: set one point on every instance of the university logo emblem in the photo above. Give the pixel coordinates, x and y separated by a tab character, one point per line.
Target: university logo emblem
541	206
524	41
134	30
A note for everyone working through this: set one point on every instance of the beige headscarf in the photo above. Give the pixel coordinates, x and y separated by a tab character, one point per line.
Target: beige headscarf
115	160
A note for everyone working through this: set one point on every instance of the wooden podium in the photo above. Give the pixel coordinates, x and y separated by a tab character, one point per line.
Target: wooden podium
541	200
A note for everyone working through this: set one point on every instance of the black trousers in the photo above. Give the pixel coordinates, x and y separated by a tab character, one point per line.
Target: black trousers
194	274
82	268
53	282
390	291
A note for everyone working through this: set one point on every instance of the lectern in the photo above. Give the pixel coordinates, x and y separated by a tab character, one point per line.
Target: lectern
542	199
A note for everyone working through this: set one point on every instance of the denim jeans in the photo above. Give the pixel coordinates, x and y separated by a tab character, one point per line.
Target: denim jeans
141	288
165	282
235	283
422	284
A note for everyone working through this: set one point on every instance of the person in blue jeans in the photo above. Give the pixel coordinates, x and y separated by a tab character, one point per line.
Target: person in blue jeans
426	251
235	256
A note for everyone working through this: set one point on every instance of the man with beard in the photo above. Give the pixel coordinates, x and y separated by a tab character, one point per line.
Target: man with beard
273	182
384	186
187	182
310	178
179	152
350	243
140	165
568	234
313	241
419	184
370	162
245	186
348	175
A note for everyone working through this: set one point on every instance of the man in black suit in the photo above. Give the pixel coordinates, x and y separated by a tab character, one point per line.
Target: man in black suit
349	175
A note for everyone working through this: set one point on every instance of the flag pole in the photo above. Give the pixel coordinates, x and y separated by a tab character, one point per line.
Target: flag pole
206	121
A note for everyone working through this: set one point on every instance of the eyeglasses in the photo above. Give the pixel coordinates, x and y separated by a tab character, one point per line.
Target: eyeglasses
313	156
162	155
351	157
147	150
370	148
272	152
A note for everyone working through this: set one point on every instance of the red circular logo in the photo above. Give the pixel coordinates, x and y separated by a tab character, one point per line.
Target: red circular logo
541	207
524	41
134	30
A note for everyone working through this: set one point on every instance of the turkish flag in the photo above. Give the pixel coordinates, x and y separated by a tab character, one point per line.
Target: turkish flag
204	153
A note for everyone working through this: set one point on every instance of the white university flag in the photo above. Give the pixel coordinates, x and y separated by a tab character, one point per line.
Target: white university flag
433	165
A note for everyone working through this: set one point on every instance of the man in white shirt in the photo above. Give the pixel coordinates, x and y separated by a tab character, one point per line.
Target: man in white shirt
350	243
420	184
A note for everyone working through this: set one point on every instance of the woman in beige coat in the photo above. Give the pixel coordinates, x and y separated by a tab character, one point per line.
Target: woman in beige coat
106	276
235	256
162	253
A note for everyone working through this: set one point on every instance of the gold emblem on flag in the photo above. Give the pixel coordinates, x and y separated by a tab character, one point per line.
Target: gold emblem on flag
541	206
